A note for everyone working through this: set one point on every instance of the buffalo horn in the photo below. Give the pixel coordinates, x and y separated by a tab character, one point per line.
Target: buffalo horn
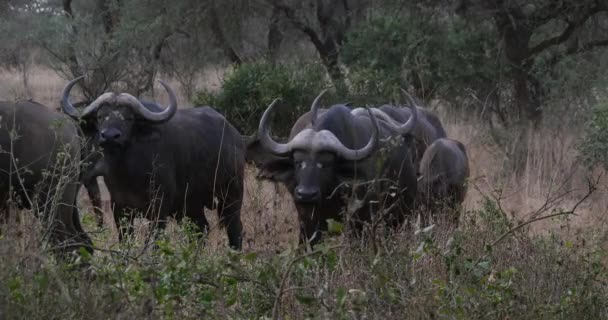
314	109
264	133
410	124
354	155
66	105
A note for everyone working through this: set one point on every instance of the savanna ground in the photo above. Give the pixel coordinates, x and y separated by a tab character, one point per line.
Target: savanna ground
495	266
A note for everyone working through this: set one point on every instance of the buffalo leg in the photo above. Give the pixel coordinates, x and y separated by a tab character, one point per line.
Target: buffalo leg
95	196
229	212
66	230
310	232
83	236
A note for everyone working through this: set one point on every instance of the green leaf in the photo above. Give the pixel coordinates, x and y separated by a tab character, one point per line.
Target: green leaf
250	256
305	299
334	227
341	296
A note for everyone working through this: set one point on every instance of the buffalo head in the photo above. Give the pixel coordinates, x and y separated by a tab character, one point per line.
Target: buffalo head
115	115
318	158
313	155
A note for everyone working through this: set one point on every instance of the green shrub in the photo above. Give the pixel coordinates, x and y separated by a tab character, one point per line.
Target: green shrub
594	146
250	88
434	56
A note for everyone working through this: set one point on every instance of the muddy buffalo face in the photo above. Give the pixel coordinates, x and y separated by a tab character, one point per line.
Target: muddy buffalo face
115	115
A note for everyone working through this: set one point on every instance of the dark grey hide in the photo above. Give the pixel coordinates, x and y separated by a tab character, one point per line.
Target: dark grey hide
43	141
444	170
312	169
168	163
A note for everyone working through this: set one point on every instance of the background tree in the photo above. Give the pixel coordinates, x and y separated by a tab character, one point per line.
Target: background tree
535	37
325	23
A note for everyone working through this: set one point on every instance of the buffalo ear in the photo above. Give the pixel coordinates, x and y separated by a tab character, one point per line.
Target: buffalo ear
271	167
88	127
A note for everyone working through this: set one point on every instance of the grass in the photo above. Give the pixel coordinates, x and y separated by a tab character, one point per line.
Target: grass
494	266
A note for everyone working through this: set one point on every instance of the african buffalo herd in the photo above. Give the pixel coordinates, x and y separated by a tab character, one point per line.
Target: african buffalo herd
353	165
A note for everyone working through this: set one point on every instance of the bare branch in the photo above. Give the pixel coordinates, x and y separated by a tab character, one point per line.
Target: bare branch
566	33
592	187
297	23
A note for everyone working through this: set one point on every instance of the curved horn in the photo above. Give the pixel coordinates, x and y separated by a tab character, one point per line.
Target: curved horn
410	124
144	112
166	114
314	109
92	108
355	155
264	133
66	105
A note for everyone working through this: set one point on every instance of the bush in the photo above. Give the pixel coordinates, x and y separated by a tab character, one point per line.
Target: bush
594	146
434	56
251	87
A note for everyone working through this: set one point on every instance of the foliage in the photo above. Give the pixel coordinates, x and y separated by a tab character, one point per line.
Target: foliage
250	88
524	277
438	58
594	146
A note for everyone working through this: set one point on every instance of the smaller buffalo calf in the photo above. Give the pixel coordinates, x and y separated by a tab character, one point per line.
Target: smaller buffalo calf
442	184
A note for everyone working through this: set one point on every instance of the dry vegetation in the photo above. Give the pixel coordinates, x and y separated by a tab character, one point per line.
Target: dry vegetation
462	281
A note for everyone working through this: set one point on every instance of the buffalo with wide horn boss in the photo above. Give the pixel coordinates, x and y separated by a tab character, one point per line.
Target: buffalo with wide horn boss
333	148
91	166
442	186
40	168
167	163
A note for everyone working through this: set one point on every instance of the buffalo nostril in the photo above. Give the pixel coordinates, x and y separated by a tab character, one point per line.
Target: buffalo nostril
304	194
110	134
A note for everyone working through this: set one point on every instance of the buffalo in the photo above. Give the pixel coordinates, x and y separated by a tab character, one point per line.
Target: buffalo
444	170
428	128
331	148
166	163
39	169
91	166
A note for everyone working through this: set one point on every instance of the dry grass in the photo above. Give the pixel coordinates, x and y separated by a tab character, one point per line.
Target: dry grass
268	213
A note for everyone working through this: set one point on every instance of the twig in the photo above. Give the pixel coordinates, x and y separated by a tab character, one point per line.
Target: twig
592	188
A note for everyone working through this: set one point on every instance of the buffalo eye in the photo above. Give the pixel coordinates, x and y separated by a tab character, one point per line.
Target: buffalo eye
301	164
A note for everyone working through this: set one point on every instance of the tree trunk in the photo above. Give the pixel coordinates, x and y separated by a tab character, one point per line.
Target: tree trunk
275	35
109	15
330	55
526	89
220	37
72	59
